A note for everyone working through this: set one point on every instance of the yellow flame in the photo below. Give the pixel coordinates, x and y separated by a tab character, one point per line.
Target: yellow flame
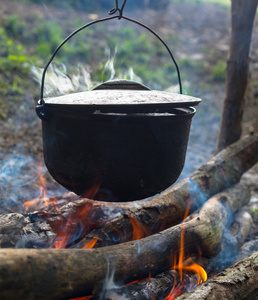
185	266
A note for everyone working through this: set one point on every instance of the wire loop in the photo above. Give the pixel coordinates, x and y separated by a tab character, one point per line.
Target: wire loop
117	9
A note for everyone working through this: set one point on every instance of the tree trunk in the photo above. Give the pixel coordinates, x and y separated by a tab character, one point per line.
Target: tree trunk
243	13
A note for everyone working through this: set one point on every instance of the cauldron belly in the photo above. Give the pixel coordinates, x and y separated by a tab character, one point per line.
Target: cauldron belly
131	157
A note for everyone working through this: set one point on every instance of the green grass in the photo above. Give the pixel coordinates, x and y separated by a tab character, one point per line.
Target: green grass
23	45
225	3
221	2
218	71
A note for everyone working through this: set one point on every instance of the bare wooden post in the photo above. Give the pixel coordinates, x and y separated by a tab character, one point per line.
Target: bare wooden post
243	14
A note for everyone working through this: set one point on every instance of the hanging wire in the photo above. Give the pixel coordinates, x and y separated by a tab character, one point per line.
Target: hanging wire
119	17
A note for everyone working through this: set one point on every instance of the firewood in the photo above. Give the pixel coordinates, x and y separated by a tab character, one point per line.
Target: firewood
239	281
241	227
62	213
157	287
232	242
248	248
68	273
168	209
160	286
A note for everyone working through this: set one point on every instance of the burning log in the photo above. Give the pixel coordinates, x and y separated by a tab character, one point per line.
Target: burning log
171	283
239	281
41	229
68	273
158	287
168	209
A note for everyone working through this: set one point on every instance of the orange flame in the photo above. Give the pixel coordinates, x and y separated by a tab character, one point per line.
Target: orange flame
74	223
139	231
90	244
184	267
37	203
77	221
82	298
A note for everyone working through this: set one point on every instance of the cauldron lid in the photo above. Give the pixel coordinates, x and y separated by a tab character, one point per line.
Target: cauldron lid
123	93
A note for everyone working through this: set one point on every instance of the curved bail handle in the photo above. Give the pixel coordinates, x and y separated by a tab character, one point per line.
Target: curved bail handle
119	16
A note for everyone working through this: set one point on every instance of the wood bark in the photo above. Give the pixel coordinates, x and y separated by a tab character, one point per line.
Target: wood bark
65	273
242	19
168	208
239	281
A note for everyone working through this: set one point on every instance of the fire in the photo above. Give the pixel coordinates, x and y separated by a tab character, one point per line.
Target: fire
139	231
82	298
42	198
77	224
74	227
185	267
66	231
90	244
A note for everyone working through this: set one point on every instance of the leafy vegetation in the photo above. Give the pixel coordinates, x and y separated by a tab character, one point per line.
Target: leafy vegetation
218	72
89	5
130	51
23	45
221	2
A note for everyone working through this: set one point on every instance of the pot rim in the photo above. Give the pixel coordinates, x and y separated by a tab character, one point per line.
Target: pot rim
113	112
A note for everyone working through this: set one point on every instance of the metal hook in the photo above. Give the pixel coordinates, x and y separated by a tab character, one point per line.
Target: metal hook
117	9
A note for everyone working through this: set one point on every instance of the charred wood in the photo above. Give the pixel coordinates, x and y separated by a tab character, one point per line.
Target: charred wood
69	273
157	287
19	231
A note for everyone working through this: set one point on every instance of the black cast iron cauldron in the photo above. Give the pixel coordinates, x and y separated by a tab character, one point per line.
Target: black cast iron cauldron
130	142
122	137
